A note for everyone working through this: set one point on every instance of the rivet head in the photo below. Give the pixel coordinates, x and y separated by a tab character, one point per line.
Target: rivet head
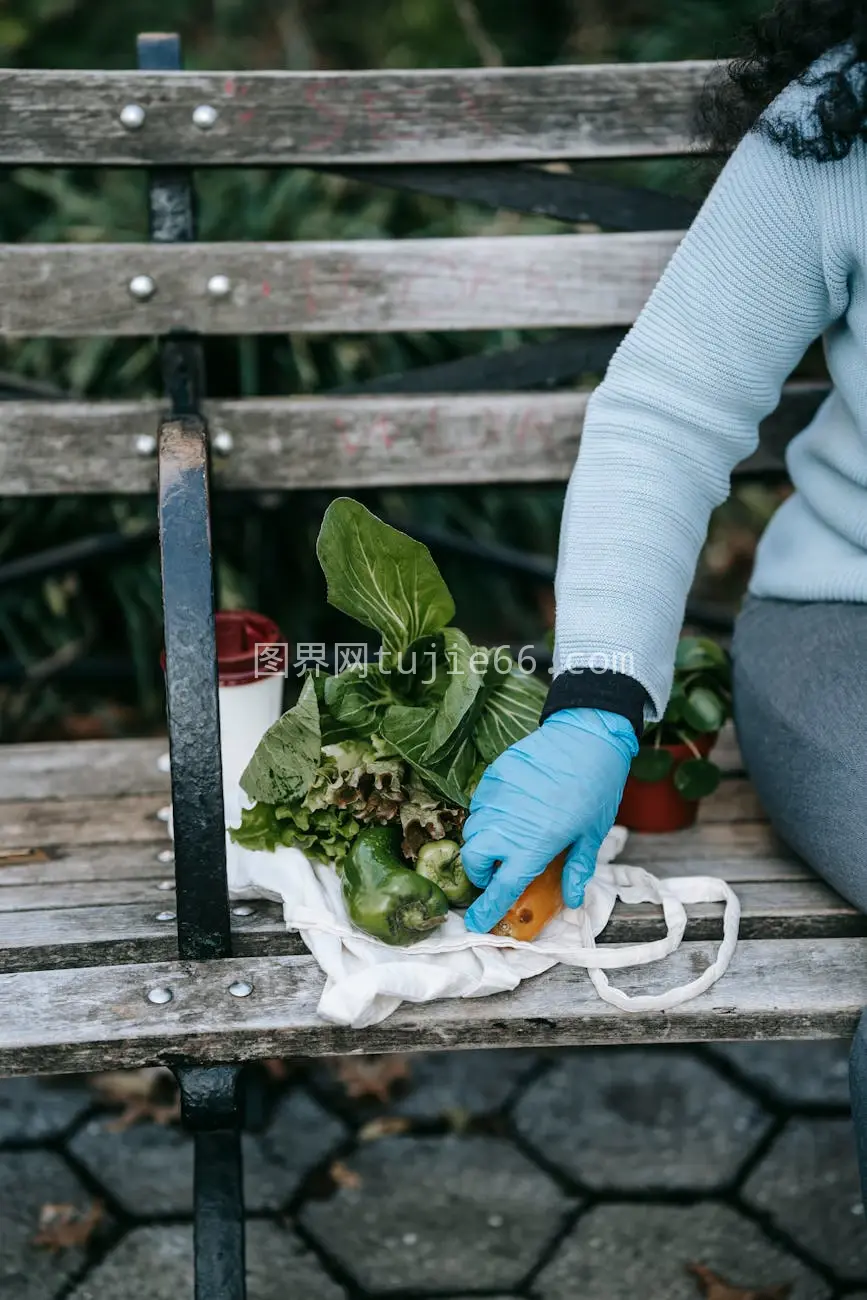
166	855
219	286
222	442
132	116
166	916
159	996
142	287
240	989
243	909
204	116
145	445
164	814
165	885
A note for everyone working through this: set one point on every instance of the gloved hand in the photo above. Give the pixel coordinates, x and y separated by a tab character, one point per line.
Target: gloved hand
560	786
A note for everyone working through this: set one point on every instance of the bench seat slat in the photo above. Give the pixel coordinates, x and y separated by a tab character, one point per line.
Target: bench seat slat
324	287
453	115
333	442
69	1020
72	931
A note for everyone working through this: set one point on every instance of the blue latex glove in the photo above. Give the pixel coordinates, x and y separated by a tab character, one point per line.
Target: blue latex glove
560	787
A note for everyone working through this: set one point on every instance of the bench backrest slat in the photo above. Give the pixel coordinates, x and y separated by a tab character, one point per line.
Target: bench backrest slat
456	115
332	442
323	287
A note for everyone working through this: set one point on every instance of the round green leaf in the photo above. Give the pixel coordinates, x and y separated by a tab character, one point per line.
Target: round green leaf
696	778
703	710
697	652
651	764
676	703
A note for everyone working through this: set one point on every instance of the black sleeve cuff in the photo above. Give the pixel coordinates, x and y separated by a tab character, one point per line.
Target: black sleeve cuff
585	689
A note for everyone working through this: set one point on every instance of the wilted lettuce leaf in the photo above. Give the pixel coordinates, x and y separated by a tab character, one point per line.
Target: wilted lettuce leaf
425	816
511	712
380	576
287	756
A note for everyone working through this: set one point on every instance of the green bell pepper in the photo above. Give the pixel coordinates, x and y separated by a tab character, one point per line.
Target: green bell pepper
440	861
384	898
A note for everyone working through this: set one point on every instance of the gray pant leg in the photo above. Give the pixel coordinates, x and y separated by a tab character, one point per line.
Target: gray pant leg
800	698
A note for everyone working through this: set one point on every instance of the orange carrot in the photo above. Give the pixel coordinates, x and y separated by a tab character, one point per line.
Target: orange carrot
540	901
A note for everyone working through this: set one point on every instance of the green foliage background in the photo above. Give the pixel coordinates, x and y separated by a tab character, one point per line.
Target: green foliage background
56	626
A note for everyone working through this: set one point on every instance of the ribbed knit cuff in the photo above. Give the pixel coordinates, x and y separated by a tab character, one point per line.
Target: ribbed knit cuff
609	690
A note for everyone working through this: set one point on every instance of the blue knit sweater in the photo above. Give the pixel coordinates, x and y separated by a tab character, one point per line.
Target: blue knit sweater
776	257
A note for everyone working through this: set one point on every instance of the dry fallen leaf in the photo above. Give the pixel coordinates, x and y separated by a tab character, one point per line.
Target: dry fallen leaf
150	1094
64	1226
714	1287
276	1068
131	1085
343	1176
371	1076
385	1126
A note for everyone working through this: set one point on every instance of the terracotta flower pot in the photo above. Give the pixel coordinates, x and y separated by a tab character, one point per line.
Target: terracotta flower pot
658	805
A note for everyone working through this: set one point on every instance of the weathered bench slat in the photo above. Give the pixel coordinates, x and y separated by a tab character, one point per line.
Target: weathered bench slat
126	819
363	286
132	819
86	862
100	1018
459	115
72	931
50	447
82	768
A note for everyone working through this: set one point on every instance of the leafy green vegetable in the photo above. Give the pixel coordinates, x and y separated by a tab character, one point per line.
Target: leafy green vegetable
287	756
472	672
426	816
380	576
511	712
402	741
259	828
408	728
359	697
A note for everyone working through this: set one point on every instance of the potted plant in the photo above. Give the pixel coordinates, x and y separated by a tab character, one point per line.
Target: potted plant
672	770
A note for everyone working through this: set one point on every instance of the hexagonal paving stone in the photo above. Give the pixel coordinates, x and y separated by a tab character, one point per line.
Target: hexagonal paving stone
29	1180
472	1082
35	1109
795	1073
157	1264
808	1184
635	1118
149	1169
640	1252
300	1135
438	1214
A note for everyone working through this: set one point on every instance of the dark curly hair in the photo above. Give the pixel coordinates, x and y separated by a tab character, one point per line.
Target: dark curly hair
780	47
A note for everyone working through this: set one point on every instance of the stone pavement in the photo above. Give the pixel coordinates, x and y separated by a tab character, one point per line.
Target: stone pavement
568	1175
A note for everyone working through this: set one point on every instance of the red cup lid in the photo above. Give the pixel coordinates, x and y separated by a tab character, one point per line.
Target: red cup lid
248	648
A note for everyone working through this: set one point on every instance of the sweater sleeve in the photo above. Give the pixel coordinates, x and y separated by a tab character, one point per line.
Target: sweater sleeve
738	304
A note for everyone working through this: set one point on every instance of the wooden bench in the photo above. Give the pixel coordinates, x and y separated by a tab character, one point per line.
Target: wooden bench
114	954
